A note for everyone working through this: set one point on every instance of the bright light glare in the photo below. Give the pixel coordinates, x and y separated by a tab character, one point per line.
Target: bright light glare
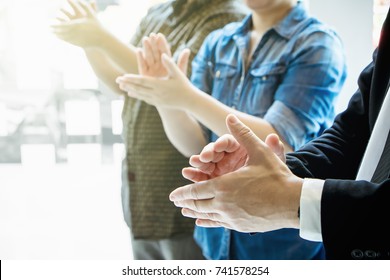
82	117
119	151
84	155
3	120
116	112
38	154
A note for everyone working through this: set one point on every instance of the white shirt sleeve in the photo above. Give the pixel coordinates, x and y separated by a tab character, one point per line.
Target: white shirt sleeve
310	210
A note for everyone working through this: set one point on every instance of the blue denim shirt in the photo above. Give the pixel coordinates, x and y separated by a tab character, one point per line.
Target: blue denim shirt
292	80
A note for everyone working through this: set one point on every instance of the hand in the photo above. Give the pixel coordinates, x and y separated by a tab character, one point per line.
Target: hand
149	58
81	26
262	195
217	158
224	156
174	90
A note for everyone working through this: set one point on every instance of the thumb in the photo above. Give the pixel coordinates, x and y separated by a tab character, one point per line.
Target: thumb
274	143
182	62
171	67
245	136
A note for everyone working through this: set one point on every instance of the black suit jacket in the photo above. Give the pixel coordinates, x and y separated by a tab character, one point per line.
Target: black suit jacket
355	215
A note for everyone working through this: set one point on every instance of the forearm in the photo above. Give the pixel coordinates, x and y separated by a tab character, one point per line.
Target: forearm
183	131
122	54
212	113
104	69
111	59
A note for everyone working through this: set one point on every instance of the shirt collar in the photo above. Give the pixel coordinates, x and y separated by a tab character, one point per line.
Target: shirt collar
285	28
290	24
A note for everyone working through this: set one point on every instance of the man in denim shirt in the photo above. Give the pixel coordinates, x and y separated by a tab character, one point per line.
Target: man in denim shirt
295	74
288	79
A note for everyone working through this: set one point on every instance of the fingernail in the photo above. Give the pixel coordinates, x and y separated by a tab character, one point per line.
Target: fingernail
178	204
232	119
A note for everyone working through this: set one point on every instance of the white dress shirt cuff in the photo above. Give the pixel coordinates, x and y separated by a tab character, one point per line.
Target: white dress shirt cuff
310	210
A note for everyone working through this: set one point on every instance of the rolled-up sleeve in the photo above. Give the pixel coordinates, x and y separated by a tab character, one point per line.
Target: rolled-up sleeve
308	90
288	125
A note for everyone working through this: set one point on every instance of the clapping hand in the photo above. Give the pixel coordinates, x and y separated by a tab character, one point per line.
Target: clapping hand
80	26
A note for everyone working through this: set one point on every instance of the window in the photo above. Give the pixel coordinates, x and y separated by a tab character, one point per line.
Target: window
60	138
49	95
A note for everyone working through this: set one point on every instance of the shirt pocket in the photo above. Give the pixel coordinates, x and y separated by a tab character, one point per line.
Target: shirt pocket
224	78
263	84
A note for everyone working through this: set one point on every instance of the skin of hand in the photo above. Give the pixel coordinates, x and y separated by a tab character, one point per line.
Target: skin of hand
80	27
149	57
225	155
262	195
174	90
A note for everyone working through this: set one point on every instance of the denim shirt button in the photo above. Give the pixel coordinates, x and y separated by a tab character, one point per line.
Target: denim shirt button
264	78
218	74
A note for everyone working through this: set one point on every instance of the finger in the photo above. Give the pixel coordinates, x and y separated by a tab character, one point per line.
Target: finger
197	215
226	143
204	166
62	28
201	190
211	224
148	52
138	80
76	8
183	59
154	47
274	143
163	45
170	66
86	7
245	137
208	154
194	174
66	14
195	161
94	6
135	91
60	19
142	65
200	206
64	35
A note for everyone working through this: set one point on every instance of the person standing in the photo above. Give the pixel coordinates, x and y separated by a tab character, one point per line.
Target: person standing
335	189
280	71
152	165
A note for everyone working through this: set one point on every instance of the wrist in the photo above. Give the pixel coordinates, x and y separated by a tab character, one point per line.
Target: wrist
295	198
102	40
189	97
194	103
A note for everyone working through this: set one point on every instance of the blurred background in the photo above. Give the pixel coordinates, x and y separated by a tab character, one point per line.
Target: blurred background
60	143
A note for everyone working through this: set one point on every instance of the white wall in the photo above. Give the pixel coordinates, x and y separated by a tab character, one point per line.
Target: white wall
353	21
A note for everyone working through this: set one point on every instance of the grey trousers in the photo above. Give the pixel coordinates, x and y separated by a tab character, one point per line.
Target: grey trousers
181	247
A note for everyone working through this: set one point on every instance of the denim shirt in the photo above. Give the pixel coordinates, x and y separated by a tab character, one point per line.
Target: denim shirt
291	81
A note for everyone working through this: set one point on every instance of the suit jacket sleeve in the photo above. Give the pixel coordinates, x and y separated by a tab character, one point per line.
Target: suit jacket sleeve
353	213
